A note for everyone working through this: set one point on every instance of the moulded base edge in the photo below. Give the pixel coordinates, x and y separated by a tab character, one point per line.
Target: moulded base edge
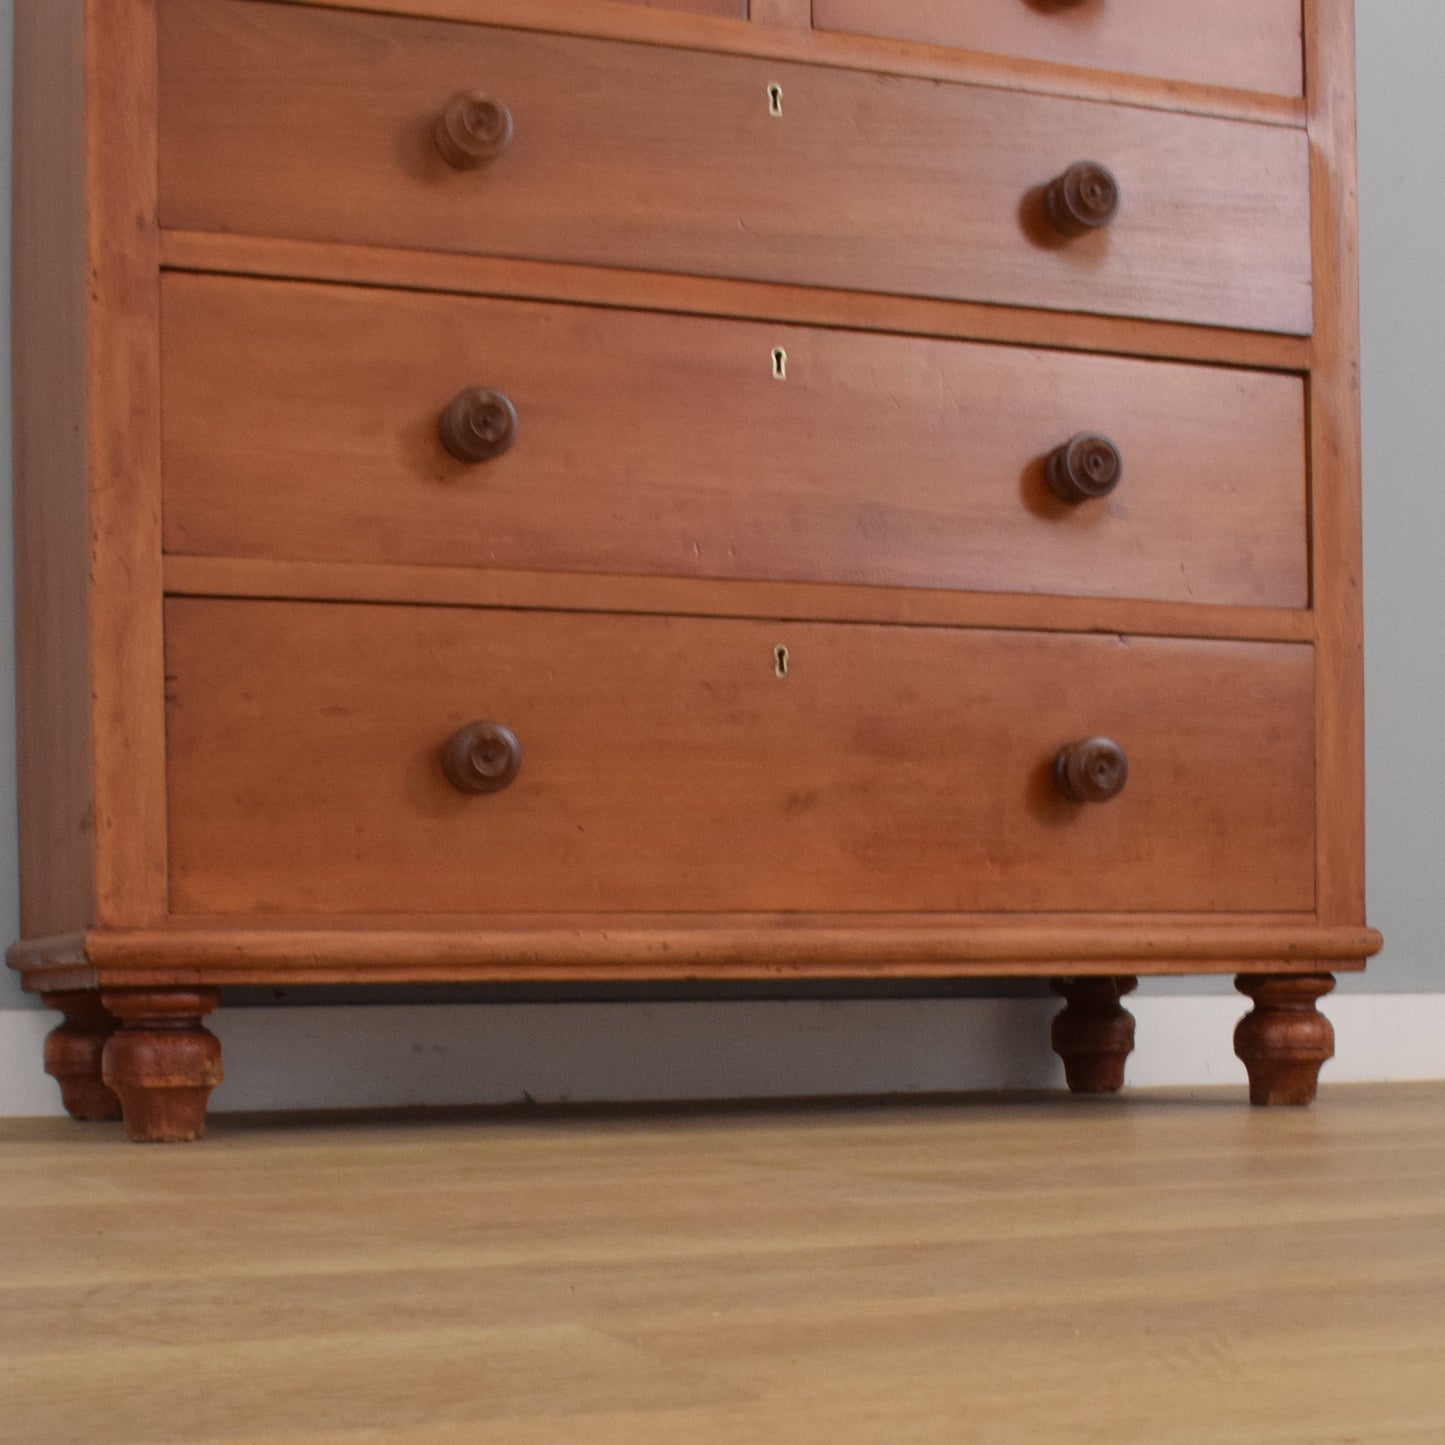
731	947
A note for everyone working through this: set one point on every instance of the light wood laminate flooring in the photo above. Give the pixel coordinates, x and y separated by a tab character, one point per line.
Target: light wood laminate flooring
1168	1269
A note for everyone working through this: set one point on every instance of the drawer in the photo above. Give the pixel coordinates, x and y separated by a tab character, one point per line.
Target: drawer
683	764
670	445
1238	44
281	120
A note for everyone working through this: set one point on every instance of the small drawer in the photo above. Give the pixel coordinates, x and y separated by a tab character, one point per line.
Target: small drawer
686	446
684	764
1236	44
332	126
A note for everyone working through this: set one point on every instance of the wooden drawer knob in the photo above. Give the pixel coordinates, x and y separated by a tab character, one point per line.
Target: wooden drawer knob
1091	771
1085	467
1084	198
482	757
478	425
472	130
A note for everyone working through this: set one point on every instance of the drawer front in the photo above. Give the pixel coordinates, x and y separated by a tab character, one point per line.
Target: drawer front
670	445
1238	44
321	125
666	765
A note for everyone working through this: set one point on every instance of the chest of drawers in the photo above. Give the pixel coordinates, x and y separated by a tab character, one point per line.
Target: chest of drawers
581	490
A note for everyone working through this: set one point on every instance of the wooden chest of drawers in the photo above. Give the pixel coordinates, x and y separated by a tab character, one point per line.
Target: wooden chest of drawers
586	490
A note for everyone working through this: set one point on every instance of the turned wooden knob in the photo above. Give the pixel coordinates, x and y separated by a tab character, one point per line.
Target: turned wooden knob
472	130
1091	771
482	757
1084	198
1085	467
478	425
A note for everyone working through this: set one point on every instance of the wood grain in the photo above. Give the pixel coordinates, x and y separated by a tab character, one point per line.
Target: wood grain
162	1063
381	948
888	57
665	764
703	773
49	320
73	1052
812	305
316	126
1165	1269
795	13
1239	44
1335	463
124	448
732	9
471	587
1284	1040
1094	1033
91	786
667	445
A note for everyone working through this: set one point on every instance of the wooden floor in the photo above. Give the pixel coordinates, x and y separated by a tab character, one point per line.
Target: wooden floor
1171	1269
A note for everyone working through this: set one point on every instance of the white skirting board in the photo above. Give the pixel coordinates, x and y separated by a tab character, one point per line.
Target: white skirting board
364	1056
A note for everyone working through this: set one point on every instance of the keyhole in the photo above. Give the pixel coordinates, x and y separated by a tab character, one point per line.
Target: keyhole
780	661
775	100
780	364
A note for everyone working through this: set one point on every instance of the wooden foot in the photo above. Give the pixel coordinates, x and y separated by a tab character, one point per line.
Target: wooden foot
1094	1033
1284	1040
73	1052
162	1063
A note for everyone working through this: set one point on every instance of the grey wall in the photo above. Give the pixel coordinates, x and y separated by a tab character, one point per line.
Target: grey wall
1402	177
1400	46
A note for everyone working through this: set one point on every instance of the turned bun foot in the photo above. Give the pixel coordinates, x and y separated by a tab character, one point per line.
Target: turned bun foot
1285	1040
1094	1033
162	1063
73	1053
